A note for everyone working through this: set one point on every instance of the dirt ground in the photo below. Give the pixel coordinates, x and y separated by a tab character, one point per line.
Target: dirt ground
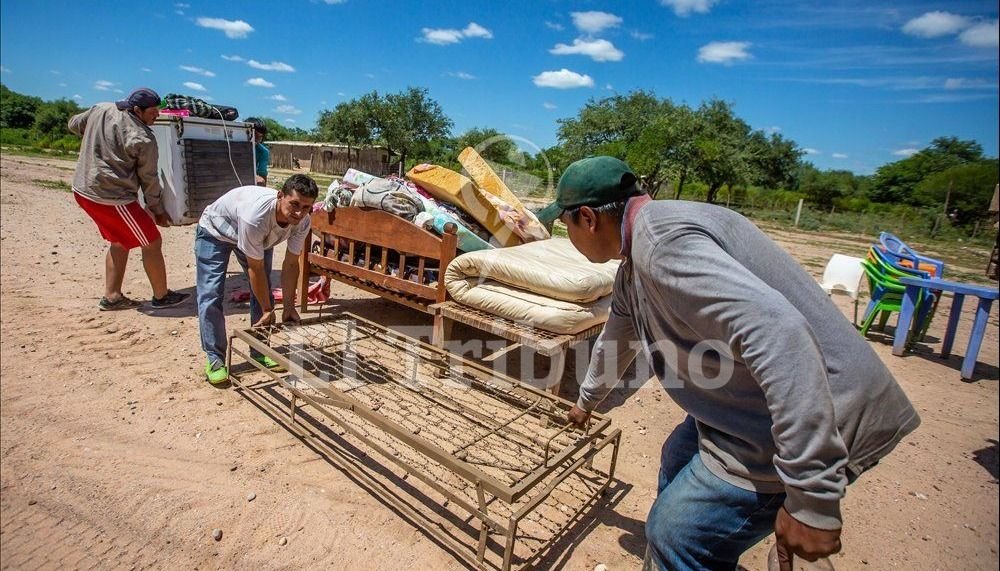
116	454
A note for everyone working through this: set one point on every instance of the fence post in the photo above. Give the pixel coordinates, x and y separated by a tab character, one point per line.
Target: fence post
798	212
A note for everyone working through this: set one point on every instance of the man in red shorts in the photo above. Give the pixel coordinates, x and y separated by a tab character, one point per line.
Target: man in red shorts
118	155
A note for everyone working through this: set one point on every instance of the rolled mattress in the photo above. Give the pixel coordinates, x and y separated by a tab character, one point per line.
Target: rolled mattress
545	284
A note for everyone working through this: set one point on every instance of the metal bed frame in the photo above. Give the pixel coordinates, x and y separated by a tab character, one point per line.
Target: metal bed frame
497	453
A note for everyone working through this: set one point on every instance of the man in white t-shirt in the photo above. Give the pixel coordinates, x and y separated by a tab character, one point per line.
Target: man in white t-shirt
249	221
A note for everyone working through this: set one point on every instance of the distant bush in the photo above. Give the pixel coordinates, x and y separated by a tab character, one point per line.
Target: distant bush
14	136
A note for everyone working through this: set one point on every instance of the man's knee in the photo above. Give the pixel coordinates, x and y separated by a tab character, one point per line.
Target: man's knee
154	246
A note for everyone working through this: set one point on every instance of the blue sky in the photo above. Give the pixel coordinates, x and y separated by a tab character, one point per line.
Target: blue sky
857	84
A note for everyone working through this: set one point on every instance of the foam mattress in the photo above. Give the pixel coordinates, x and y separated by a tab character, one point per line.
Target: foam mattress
545	284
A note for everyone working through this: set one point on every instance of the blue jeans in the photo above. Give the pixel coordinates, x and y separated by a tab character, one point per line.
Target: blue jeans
212	260
699	521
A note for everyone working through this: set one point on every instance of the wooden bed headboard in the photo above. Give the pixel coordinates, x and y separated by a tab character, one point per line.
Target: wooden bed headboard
356	232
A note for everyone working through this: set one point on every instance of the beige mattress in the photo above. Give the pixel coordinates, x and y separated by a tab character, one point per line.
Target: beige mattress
545	284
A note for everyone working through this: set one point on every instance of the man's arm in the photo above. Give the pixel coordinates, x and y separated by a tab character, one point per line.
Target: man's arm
289	284
613	352
258	285
78	123
147	169
722	300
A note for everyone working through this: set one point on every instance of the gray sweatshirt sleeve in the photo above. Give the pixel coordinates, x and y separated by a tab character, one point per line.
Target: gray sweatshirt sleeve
78	123
613	352
146	152
722	300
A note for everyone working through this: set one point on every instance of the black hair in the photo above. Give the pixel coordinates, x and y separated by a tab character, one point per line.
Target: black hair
614	209
302	184
258	125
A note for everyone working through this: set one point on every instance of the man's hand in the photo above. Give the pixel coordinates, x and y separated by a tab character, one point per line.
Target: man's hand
796	538
266	319
289	315
577	416
162	220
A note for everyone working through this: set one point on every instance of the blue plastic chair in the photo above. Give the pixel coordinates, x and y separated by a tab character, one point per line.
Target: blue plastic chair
900	251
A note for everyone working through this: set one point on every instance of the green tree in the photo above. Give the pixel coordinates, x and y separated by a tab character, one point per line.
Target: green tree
493	145
17	111
774	161
408	121
350	123
608	126
971	189
896	182
666	148
51	118
722	156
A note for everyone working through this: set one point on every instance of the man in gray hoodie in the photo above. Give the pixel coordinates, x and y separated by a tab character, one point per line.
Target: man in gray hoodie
786	403
118	156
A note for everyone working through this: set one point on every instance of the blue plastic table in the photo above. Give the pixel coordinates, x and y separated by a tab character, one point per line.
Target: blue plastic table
986	297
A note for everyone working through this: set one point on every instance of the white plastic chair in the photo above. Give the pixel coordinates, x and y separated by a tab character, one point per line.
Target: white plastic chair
843	275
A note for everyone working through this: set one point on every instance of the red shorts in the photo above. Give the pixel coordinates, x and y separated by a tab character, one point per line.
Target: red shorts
125	224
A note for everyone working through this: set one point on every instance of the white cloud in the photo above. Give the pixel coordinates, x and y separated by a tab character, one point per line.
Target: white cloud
965	83
641	36
810	151
287	110
119	91
839	156
461	75
290	120
723	52
906	152
207	98
273	66
594	22
55	72
277	97
549	106
259	82
145	69
198	70
234	29
341	94
554	26
597	50
474	30
370	75
63	84
686	7
935	24
193	86
441	37
103	85
609	87
563	79
445	36
4	69
984	35
232	58
772	129
78	97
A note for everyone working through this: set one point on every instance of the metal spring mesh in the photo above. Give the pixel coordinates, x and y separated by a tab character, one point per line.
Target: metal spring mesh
499	428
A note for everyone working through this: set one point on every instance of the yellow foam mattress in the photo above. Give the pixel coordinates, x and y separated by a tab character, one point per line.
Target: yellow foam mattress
454	188
519	219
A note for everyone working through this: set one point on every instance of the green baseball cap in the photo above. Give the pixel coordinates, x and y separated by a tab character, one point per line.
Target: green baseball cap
593	181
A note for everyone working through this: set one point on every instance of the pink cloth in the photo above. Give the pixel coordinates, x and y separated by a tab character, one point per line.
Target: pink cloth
318	292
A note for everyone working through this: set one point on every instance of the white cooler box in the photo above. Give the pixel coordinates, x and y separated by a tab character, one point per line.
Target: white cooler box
199	160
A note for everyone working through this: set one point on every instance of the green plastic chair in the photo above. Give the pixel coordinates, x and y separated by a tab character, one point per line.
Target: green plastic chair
886	298
892	273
